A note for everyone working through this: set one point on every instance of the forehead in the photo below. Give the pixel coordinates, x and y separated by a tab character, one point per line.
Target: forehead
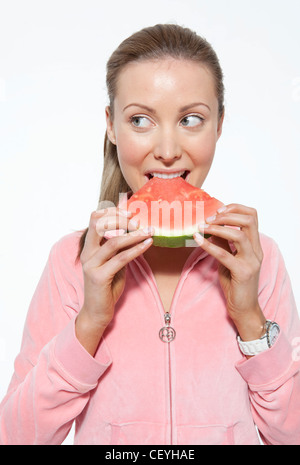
164	79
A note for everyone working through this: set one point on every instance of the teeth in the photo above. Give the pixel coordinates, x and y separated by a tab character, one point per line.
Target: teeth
167	176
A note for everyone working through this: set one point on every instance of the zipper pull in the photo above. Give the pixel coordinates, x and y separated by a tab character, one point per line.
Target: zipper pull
167	333
167	319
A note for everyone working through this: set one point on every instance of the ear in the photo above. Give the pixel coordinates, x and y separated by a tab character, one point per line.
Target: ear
220	124
110	126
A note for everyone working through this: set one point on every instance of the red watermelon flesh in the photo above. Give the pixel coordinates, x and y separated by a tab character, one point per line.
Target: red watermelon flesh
174	208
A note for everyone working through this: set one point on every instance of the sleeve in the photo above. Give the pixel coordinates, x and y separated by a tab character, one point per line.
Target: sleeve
54	374
273	376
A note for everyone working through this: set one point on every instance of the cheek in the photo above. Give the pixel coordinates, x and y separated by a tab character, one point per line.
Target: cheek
131	151
202	150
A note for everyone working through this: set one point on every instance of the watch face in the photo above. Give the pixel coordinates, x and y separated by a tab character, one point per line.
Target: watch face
273	335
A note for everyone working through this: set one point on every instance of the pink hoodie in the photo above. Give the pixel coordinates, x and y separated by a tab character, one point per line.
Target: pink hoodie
197	389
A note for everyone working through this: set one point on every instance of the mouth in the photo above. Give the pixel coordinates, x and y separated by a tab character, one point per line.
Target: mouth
167	174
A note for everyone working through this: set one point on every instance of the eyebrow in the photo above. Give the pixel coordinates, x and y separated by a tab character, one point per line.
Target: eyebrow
196	104
151	110
140	105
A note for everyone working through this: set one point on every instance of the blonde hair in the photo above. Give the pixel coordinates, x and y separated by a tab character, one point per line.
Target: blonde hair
151	43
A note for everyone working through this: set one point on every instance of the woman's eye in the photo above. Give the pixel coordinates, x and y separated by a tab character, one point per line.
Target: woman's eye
140	122
191	121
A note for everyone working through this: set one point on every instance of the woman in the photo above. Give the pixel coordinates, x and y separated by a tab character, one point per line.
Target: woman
91	350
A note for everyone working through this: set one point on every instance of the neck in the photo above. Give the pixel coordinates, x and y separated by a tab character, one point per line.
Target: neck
167	260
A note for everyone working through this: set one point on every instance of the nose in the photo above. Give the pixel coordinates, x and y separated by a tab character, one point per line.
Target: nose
167	146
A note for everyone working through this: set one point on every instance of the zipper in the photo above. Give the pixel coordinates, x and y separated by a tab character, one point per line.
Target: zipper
166	332
170	394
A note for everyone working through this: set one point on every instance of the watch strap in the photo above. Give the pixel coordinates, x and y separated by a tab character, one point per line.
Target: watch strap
259	345
253	347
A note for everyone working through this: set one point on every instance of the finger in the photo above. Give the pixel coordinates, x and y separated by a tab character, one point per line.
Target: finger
92	237
219	253
113	219
114	222
237	236
239	208
116	244
226	244
95	233
250	214
238	221
247	222
120	260
100	218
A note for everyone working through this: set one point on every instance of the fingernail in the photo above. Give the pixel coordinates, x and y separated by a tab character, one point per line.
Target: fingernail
147	241
221	209
211	218
203	225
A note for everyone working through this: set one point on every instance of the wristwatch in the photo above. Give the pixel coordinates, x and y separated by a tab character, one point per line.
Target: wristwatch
262	344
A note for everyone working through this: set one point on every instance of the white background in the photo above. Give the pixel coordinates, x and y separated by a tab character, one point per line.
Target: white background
52	97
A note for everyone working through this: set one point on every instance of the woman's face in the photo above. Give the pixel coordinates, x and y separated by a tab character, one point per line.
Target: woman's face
165	121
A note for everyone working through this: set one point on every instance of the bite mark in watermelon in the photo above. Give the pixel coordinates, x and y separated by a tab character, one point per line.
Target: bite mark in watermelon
174	208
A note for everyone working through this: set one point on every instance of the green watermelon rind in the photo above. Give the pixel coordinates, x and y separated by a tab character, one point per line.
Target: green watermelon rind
176	241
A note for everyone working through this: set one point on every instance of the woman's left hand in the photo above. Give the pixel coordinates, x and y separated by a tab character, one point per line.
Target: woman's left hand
239	267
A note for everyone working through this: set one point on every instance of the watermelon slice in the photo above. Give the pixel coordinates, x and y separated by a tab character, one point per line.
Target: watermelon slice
174	208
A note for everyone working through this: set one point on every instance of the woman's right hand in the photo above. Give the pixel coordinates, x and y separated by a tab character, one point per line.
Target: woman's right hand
103	263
